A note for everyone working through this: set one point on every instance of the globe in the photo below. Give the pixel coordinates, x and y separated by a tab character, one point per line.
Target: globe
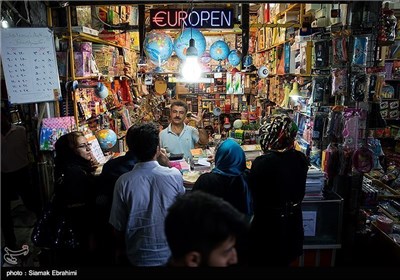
219	50
205	58
158	46
181	42
234	57
107	138
247	61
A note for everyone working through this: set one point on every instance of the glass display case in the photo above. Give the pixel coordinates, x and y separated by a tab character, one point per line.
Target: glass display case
322	221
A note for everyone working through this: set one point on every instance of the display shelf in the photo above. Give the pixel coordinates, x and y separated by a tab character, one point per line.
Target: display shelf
381	184
395	245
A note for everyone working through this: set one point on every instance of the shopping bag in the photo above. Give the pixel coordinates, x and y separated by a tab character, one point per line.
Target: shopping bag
54	128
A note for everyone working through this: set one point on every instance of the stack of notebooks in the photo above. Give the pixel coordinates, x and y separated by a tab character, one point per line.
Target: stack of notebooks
199	162
314	184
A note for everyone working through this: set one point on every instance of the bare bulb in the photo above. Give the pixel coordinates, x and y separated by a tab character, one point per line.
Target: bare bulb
191	70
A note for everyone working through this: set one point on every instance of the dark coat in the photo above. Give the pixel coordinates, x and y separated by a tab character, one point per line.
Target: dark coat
277	181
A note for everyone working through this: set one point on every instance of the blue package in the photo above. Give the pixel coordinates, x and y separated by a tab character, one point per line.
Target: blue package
360	51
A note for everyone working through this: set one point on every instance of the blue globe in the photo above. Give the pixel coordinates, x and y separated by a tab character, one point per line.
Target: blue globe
234	57
219	50
107	138
247	61
205	58
181	43
158	46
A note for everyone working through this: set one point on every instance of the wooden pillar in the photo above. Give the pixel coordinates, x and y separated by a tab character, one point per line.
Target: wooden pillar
245	15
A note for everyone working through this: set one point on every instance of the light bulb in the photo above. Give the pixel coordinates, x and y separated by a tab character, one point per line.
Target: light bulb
191	69
4	23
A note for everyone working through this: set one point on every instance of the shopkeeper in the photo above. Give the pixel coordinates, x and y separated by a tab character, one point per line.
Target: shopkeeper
179	138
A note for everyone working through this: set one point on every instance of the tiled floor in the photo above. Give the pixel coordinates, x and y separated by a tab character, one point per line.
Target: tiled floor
24	221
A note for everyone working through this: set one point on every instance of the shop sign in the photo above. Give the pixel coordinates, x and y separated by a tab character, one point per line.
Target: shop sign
197	18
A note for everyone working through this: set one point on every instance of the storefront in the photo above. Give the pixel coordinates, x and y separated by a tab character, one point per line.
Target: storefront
100	68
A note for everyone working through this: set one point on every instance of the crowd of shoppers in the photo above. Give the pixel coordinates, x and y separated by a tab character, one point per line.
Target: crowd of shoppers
150	220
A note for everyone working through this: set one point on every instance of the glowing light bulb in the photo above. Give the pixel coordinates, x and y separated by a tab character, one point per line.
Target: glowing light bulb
191	70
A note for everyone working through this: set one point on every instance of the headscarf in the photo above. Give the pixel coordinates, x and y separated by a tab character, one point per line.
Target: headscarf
277	133
230	161
66	155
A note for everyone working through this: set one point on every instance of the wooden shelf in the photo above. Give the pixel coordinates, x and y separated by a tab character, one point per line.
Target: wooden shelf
89	38
381	184
290	8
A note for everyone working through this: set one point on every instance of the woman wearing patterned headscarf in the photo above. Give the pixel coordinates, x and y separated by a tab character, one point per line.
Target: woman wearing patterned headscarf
277	181
228	180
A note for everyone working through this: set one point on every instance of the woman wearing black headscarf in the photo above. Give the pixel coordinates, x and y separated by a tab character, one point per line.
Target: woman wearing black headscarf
277	181
75	192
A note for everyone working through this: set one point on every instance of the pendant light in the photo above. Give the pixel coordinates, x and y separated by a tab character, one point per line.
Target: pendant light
191	70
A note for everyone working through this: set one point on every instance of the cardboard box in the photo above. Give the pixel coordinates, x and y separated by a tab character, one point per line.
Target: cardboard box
84	29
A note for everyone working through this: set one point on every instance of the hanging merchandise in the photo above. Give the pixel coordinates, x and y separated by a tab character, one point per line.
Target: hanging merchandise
330	161
160	85
359	87
345	160
360	50
335	126
339	46
372	79
375	84
321	54
158	47
339	82
388	22
362	159
319	125
234	57
319	88
351	128
181	42
219	51
375	146
263	72
54	128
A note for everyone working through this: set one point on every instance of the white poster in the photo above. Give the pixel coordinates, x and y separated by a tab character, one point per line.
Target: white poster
30	65
309	222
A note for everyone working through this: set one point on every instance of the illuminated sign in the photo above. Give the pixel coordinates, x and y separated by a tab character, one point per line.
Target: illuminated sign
204	18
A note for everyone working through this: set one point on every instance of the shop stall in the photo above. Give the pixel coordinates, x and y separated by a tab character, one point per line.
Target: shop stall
110	66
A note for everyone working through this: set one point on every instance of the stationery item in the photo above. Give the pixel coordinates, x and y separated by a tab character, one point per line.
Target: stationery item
54	128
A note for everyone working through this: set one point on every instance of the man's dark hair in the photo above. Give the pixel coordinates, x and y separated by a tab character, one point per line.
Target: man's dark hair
129	136
143	140
199	221
179	103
